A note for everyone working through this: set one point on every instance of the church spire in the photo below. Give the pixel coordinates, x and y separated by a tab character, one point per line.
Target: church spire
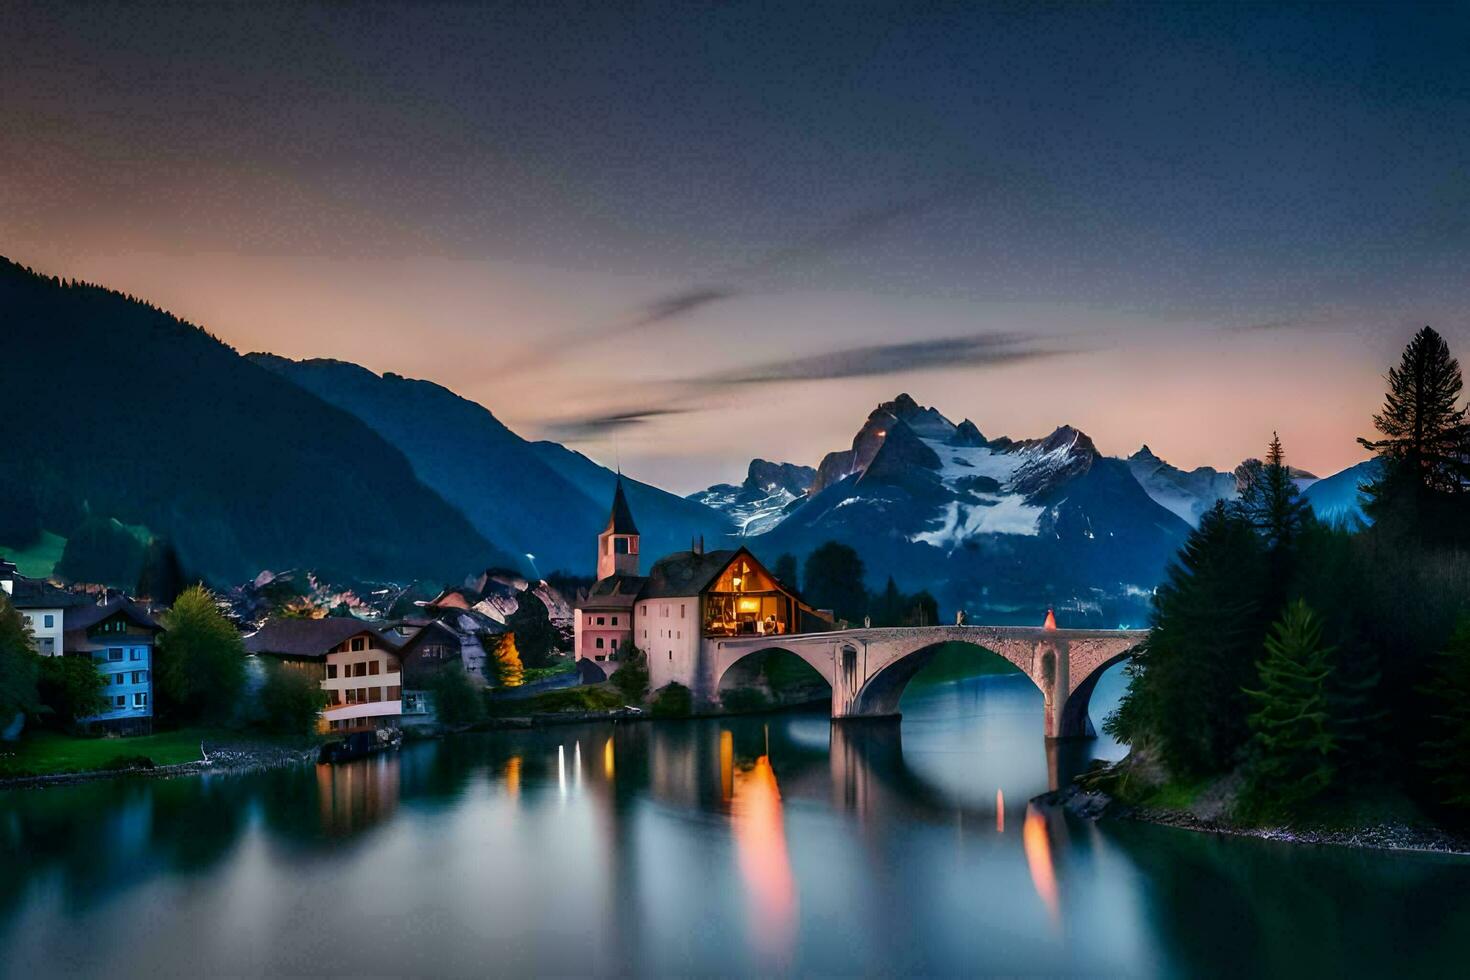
617	545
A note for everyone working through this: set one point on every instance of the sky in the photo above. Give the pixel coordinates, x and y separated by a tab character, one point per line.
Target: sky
676	237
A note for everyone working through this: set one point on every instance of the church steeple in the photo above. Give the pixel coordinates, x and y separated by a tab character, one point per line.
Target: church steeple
617	545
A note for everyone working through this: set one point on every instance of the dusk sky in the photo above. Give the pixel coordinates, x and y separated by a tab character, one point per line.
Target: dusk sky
682	236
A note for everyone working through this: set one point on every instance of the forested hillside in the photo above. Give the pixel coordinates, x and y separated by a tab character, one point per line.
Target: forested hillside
117	411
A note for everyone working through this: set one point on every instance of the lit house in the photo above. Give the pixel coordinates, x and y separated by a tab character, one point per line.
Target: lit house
687	600
119	636
357	666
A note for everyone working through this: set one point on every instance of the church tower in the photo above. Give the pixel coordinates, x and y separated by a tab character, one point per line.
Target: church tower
617	545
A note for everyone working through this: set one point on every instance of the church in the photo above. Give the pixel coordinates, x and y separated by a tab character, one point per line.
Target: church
686	600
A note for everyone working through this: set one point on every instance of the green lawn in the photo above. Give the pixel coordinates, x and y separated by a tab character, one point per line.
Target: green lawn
42	753
39	560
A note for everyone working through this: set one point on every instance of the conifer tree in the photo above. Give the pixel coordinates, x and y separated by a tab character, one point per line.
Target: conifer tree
1446	755
1186	678
785	570
1425	442
201	658
1293	746
1272	502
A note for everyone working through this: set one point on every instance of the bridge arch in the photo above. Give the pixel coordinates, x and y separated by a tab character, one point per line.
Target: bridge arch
744	667
881	695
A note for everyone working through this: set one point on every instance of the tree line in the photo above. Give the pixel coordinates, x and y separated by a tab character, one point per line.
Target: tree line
1325	661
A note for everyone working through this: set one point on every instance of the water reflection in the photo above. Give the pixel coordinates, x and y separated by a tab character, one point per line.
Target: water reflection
745	846
765	865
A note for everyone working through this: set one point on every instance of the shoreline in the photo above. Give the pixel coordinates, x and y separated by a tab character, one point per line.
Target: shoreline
1097	807
227	759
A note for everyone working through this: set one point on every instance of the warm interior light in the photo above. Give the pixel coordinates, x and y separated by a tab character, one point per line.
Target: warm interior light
750	605
736	581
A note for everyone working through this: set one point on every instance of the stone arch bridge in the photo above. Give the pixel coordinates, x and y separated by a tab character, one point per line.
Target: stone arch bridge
869	668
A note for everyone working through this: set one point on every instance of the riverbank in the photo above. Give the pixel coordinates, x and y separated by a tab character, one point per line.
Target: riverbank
50	759
1129	790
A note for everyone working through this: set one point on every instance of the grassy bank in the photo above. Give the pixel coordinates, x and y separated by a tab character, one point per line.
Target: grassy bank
45	753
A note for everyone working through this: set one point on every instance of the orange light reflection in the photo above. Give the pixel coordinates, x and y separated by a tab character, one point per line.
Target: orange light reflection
1037	843
765	864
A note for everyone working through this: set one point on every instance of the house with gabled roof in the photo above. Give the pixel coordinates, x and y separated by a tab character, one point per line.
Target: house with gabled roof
119	636
356	664
687	601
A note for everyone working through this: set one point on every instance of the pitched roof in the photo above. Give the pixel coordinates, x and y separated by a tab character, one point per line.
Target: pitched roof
34	593
685	573
620	521
310	637
83	617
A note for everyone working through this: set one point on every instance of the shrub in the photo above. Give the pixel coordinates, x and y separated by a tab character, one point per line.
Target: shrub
456	699
291	700
632	677
71	689
673	701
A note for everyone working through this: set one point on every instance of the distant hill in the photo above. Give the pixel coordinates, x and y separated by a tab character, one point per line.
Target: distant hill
539	498
115	409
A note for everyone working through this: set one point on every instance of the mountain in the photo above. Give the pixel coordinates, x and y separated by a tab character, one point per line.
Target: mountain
1187	494
534	498
1190	493
120	415
1339	498
759	503
1002	528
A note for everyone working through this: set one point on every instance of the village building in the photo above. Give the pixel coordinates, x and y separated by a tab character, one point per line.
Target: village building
358	666
119	636
41	605
460	640
687	601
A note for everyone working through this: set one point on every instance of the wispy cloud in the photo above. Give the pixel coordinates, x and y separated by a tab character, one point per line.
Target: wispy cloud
876	360
590	427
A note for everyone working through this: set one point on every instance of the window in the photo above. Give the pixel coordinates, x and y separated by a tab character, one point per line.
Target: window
49	620
665	612
620	546
362	695
359	643
671	655
351	694
678	634
331	672
334	698
615	643
599	658
375	694
645	609
140	700
601	621
119	678
374	667
392	667
395	693
615	620
120	701
140	677
136	653
681	610
114	653
599	643
359	669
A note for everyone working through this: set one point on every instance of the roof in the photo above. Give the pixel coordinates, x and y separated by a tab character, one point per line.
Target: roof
685	573
89	615
620	521
34	593
309	637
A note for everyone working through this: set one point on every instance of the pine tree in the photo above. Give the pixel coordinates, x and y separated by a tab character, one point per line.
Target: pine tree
1293	745
1426	439
1446	754
1185	693
1272	502
834	580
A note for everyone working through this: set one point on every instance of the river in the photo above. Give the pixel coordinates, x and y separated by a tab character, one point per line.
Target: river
756	845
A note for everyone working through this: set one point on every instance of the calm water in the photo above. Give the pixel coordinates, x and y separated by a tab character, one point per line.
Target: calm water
722	847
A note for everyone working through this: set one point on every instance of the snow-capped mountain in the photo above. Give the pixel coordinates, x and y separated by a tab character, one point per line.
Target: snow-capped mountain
987	524
760	503
1190	493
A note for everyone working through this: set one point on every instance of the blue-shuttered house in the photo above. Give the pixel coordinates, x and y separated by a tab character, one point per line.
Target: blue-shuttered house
119	636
